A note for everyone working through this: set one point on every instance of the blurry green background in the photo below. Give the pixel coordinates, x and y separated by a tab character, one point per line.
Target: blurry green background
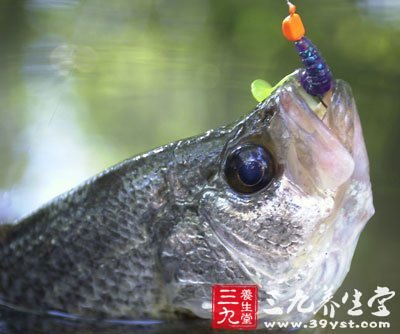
85	84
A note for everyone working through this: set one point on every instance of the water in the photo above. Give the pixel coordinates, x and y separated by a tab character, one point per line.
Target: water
86	84
15	322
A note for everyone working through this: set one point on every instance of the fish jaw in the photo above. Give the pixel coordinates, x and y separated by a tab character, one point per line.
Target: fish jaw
326	159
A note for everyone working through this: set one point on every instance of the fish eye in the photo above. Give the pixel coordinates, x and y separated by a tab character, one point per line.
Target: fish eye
249	168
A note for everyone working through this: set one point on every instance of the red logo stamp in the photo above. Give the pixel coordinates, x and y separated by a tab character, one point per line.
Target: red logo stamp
234	306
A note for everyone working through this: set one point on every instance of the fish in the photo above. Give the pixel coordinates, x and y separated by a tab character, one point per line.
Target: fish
277	199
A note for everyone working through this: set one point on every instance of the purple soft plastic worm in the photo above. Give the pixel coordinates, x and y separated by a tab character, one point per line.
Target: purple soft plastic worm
316	78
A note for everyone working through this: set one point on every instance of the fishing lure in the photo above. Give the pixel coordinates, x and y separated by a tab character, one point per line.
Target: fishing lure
316	77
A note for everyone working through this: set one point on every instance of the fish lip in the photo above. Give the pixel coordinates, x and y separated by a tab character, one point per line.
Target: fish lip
336	110
340	91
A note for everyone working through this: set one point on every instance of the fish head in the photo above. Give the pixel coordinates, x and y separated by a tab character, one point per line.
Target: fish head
287	204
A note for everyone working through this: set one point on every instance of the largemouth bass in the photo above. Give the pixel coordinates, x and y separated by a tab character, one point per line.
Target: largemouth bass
277	199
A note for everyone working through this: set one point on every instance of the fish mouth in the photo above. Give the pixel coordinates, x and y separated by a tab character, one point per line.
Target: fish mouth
323	134
336	109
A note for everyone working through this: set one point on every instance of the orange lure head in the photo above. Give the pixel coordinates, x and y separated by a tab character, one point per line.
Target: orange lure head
292	26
